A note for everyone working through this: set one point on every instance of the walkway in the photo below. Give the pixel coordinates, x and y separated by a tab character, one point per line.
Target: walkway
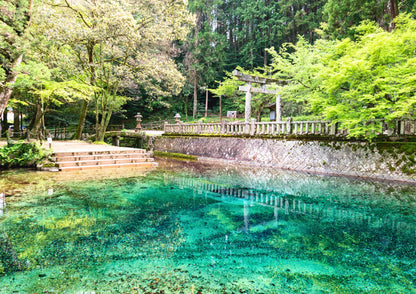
81	146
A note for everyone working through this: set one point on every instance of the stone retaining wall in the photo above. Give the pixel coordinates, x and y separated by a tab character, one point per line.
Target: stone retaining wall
336	158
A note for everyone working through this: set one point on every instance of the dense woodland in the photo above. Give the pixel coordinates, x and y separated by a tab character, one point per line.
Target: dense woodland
98	62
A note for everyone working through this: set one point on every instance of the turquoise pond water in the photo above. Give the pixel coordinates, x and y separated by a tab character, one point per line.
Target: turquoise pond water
195	228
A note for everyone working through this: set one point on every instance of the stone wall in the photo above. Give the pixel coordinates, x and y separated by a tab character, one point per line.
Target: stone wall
335	158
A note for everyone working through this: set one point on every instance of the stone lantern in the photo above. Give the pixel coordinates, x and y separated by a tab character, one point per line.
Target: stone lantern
138	117
177	118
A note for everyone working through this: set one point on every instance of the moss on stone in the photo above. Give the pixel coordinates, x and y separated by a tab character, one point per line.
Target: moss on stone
391	168
175	155
49	164
304	137
407	168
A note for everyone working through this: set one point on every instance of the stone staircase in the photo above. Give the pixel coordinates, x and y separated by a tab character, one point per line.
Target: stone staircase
83	160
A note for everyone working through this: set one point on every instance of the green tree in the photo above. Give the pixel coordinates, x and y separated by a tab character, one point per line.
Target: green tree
35	88
299	66
231	33
372	79
205	47
343	16
354	83
117	44
15	18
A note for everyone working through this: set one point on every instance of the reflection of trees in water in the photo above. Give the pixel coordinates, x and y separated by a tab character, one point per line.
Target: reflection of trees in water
328	203
2	204
93	224
9	261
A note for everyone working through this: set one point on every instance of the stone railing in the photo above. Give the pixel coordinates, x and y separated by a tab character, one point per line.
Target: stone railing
156	125
253	128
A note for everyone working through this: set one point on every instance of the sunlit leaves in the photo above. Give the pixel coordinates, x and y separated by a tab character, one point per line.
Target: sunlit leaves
355	83
117	44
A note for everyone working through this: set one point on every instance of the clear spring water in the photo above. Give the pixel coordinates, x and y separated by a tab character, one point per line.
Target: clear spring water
194	228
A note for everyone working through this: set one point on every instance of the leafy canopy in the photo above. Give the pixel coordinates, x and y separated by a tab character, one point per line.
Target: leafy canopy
355	83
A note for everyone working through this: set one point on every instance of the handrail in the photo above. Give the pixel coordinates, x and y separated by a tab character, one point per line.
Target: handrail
288	127
253	128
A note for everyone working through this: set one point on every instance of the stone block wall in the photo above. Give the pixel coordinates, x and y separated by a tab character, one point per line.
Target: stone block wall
356	159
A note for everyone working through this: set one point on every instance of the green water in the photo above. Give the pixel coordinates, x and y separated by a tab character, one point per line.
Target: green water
193	228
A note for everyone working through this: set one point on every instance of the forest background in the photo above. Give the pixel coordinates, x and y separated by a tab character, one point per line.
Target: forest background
99	62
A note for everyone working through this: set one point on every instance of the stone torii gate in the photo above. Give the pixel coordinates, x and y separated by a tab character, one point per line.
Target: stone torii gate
248	89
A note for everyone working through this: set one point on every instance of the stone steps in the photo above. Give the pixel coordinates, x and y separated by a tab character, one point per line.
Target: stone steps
97	157
84	160
102	166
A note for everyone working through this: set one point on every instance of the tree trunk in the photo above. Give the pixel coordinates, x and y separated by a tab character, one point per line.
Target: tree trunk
36	130
81	121
392	10
195	97
105	120
16	120
6	91
206	102
85	103
258	116
4	125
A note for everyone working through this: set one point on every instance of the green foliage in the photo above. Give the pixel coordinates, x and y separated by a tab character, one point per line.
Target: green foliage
343	16
21	154
14	19
228	87
371	79
356	83
118	45
299	66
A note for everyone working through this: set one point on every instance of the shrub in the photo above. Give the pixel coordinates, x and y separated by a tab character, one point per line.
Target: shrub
21	154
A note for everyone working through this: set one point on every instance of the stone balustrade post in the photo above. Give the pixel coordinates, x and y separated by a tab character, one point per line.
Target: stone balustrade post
223	127
253	126
333	129
247	128
181	127
289	125
199	127
164	126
